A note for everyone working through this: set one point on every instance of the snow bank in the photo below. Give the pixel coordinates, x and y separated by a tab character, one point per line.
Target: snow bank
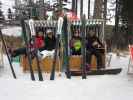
12	31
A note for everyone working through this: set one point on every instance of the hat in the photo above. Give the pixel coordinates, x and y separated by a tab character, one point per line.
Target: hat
40	32
49	31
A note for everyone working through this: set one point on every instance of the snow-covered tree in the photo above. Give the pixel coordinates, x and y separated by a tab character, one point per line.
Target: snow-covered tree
9	13
1	14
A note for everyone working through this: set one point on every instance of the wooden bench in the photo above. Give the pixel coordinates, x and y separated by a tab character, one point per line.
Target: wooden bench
75	62
45	64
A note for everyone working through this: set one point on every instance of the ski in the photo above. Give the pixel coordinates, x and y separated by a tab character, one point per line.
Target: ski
33	33
114	71
52	75
58	34
4	44
83	49
27	49
66	46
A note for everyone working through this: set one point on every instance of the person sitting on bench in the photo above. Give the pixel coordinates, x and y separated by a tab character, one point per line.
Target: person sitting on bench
75	43
39	43
47	43
50	42
93	43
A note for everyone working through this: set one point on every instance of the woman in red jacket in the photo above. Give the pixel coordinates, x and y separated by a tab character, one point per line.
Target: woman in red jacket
39	43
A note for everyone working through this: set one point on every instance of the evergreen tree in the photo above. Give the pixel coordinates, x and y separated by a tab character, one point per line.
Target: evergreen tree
9	13
127	17
1	14
98	9
81	8
88	9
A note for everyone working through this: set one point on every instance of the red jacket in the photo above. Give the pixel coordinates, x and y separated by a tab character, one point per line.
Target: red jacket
39	41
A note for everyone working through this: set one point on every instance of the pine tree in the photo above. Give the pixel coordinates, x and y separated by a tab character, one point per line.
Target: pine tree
98	9
127	17
76	6
105	10
88	9
9	13
81	8
1	14
73	5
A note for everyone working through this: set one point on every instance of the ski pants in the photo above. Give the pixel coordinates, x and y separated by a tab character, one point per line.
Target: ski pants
98	58
22	51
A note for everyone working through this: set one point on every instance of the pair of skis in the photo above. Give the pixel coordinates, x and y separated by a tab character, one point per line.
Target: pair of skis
28	51
58	34
83	49
64	23
61	23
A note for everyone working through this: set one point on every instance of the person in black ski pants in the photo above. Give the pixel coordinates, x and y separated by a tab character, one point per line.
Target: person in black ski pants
93	43
39	43
50	40
47	43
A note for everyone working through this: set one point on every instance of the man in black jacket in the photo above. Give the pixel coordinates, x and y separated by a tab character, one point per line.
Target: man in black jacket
93	43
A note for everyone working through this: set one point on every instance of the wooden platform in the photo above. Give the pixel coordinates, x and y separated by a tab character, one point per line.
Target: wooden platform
75	62
45	64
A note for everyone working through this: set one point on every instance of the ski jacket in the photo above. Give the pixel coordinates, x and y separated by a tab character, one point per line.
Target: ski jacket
90	43
76	43
50	43
39	41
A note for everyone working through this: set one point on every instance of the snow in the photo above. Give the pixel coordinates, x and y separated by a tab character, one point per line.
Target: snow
12	31
105	87
6	4
10	3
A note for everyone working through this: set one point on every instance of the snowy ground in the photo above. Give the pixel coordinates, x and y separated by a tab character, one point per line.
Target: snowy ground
12	31
106	87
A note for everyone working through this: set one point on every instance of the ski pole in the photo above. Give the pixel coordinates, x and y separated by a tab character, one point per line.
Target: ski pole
4	44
